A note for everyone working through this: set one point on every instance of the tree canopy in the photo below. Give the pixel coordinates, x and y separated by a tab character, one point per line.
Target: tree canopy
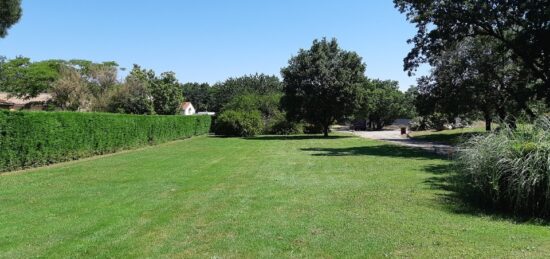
520	27
259	84
10	13
200	95
382	103
23	78
321	84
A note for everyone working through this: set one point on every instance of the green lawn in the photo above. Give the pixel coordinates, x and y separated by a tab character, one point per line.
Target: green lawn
263	197
451	137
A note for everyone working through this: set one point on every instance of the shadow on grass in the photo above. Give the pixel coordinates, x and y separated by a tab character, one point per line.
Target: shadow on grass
457	198
296	137
374	150
445	138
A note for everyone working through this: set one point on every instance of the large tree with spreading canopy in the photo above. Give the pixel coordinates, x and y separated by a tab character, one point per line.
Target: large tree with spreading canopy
322	84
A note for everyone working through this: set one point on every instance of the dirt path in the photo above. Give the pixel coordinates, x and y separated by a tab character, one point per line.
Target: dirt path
394	136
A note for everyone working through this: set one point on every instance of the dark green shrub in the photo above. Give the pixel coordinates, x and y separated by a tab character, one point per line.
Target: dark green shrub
238	123
29	139
509	169
313	129
281	126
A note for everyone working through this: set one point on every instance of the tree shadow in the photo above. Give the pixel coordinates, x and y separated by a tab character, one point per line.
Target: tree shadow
446	138
386	150
296	137
456	197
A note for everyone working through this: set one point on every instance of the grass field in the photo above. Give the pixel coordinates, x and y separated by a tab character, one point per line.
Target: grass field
294	196
451	137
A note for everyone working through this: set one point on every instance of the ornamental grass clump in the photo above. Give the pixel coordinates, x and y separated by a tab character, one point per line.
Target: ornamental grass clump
509	169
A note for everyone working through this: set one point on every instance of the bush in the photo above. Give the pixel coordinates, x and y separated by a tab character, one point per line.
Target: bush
31	139
238	123
509	169
313	129
281	126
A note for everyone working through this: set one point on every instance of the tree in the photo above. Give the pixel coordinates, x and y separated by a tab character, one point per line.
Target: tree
321	85
10	13
266	105
521	27
134	95
382	104
198	94
166	92
71	92
475	75
23	78
259	84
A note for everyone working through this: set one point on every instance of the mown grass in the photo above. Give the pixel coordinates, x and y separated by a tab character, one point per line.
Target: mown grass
450	137
296	196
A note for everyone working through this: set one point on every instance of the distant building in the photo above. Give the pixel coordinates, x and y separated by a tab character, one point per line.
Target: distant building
187	109
39	102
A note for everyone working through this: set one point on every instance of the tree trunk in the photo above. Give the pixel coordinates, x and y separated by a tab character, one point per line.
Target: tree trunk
325	131
488	122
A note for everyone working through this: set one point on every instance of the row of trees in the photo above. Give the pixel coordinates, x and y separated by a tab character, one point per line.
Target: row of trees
81	85
320	86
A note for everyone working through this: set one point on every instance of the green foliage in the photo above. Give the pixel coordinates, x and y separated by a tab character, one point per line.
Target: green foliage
382	103
200	95
10	13
509	169
23	78
167	95
258	84
321	85
238	123
70	91
517	26
474	76
268	106
282	126
31	139
134	96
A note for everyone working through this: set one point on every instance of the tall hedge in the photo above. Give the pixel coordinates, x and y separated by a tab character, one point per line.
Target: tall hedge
29	139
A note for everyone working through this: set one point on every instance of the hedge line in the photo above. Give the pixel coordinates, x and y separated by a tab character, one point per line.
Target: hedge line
29	139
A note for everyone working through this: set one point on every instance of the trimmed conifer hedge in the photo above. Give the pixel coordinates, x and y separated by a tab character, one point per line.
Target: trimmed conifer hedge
29	139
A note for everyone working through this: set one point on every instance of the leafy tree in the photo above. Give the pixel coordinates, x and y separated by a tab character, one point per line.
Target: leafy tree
259	84
71	92
166	92
409	108
10	13
382	104
23	78
475	75
520	27
134	96
198	94
321	85
267	105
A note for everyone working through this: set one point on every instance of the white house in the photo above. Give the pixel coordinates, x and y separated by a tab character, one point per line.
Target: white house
187	109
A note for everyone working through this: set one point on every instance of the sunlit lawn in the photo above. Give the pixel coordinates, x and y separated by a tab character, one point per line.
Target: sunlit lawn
263	197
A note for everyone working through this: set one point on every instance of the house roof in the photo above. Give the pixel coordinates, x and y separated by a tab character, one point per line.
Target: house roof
186	105
6	98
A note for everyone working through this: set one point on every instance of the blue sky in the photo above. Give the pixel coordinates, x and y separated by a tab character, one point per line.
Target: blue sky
210	40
